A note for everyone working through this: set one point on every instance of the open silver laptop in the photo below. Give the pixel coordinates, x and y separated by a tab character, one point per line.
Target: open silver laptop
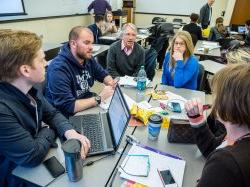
105	130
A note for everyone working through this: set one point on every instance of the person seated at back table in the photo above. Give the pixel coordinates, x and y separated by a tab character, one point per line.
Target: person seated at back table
97	28
72	73
246	42
193	28
227	166
125	57
218	31
109	26
180	67
24	139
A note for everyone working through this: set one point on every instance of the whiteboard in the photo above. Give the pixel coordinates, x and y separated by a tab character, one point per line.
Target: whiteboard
176	7
48	8
11	7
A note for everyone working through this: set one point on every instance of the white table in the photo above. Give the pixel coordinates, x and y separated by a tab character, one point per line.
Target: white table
212	67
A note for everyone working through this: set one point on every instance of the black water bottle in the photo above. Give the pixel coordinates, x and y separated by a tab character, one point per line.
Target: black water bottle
73	161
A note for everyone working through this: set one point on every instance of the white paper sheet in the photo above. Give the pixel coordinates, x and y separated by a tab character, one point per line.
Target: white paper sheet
157	161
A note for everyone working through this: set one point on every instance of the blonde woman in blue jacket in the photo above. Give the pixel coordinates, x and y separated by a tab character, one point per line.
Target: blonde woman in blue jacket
180	67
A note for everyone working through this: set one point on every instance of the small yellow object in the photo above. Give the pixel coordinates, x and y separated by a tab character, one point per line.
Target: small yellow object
158	94
143	115
206	32
165	122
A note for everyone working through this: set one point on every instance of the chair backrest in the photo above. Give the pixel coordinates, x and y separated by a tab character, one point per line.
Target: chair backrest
201	77
156	20
150	62
194	38
177	20
164	29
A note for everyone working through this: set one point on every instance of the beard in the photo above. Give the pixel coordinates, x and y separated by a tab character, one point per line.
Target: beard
83	56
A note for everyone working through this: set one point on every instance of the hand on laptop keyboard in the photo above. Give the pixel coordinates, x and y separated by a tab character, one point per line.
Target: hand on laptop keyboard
106	92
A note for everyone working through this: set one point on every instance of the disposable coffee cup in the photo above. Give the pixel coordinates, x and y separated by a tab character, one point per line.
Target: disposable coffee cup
154	126
206	50
73	161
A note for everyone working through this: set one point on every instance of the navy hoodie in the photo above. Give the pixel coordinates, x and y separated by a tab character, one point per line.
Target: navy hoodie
67	80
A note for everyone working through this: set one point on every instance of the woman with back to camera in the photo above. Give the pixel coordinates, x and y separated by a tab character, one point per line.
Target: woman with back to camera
180	67
228	166
109	24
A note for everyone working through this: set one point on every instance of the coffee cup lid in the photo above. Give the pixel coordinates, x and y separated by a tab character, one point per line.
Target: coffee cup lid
155	118
71	146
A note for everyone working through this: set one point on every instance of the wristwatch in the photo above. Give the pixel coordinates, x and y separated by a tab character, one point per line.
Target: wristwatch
98	99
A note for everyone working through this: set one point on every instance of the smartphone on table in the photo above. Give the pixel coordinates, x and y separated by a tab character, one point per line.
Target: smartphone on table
167	178
54	166
176	107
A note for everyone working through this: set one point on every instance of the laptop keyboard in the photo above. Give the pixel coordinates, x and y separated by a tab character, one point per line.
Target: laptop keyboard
92	129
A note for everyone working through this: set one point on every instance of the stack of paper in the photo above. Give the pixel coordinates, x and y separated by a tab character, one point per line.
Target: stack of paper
210	45
158	160
130	81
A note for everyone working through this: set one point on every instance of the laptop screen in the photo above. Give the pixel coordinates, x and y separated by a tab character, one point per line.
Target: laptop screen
241	29
118	115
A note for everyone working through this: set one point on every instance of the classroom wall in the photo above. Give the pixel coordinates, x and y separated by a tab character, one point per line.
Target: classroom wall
53	30
218	7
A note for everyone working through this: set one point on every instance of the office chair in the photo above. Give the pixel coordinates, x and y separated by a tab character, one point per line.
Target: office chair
150	62
52	53
157	20
201	78
177	20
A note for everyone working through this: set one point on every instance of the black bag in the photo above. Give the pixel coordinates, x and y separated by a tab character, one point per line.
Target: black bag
180	131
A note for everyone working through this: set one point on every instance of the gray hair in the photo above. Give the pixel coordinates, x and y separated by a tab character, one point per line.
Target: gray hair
128	25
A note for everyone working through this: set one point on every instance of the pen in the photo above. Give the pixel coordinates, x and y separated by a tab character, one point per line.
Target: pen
204	107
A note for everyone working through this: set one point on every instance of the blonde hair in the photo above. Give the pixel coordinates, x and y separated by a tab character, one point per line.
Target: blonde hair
16	48
186	37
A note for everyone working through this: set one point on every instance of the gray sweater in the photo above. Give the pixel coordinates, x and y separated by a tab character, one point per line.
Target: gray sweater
119	64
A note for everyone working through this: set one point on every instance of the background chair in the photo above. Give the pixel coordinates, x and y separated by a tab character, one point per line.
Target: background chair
177	20
150	62
201	78
157	20
163	32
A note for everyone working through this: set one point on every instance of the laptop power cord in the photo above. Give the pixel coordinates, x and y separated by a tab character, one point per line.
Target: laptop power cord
89	163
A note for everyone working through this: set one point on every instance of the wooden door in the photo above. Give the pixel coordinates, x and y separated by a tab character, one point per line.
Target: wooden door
241	12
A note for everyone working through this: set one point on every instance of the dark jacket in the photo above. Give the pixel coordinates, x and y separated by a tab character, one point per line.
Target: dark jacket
23	140
99	6
204	16
227	166
96	32
194	30
67	80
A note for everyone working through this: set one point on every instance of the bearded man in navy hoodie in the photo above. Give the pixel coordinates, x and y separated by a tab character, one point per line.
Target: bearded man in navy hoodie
72	73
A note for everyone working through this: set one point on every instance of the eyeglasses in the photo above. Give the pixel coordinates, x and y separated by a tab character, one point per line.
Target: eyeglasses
142	172
179	43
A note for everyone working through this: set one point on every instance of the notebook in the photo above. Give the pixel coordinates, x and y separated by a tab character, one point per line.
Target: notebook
105	130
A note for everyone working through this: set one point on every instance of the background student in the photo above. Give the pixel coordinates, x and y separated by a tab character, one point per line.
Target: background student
109	26
193	28
97	28
28	123
180	67
99	6
206	14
